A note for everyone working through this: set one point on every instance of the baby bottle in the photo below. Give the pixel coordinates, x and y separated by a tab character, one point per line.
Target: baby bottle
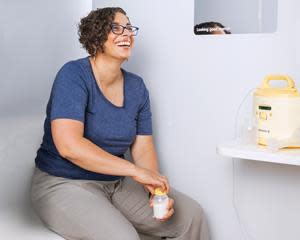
160	203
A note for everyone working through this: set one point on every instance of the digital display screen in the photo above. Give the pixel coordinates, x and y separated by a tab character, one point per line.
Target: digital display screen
264	108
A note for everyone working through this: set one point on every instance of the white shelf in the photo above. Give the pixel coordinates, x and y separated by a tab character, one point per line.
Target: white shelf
254	152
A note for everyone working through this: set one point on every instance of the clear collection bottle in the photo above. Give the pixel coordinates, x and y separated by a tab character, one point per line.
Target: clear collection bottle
160	203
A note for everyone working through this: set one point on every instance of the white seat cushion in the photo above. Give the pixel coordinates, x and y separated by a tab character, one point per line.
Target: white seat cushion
19	139
16	226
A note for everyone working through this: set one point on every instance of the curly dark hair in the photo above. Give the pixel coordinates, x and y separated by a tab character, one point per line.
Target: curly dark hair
95	27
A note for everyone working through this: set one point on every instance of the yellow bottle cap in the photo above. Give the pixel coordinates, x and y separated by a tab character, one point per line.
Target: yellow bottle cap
160	192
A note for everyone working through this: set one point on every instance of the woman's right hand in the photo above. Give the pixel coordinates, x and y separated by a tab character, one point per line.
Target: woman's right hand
151	178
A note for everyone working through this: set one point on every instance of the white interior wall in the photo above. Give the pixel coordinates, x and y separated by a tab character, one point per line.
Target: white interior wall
36	38
196	84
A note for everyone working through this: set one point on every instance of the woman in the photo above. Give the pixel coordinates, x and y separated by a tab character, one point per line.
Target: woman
82	187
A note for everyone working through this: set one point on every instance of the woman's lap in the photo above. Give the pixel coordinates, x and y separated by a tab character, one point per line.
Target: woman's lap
80	209
132	200
76	211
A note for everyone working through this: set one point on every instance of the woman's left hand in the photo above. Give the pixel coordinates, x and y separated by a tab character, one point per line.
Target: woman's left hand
170	209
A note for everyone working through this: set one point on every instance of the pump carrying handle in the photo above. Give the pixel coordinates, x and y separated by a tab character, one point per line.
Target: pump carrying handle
289	80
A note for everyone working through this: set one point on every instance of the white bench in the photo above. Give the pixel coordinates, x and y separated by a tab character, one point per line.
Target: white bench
20	138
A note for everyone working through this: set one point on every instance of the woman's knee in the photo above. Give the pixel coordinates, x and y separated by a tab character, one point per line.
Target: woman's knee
196	212
187	210
197	215
195	222
122	232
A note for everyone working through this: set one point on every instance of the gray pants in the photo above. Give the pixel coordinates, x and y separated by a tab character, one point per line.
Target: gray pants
115	210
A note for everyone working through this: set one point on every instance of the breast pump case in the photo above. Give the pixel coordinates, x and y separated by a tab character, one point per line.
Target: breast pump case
277	111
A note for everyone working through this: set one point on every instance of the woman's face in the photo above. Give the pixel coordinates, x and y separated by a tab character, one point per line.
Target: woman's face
119	46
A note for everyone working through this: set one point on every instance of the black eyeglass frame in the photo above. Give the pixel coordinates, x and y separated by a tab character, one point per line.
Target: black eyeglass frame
134	32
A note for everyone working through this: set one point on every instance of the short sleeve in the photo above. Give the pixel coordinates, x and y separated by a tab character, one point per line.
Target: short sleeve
69	94
144	118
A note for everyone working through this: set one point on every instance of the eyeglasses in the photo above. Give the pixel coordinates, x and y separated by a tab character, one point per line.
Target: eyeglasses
119	29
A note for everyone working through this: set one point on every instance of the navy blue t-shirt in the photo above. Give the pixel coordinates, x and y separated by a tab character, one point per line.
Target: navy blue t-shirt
75	95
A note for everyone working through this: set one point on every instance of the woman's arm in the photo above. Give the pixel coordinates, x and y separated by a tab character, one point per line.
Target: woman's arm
144	155
71	144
